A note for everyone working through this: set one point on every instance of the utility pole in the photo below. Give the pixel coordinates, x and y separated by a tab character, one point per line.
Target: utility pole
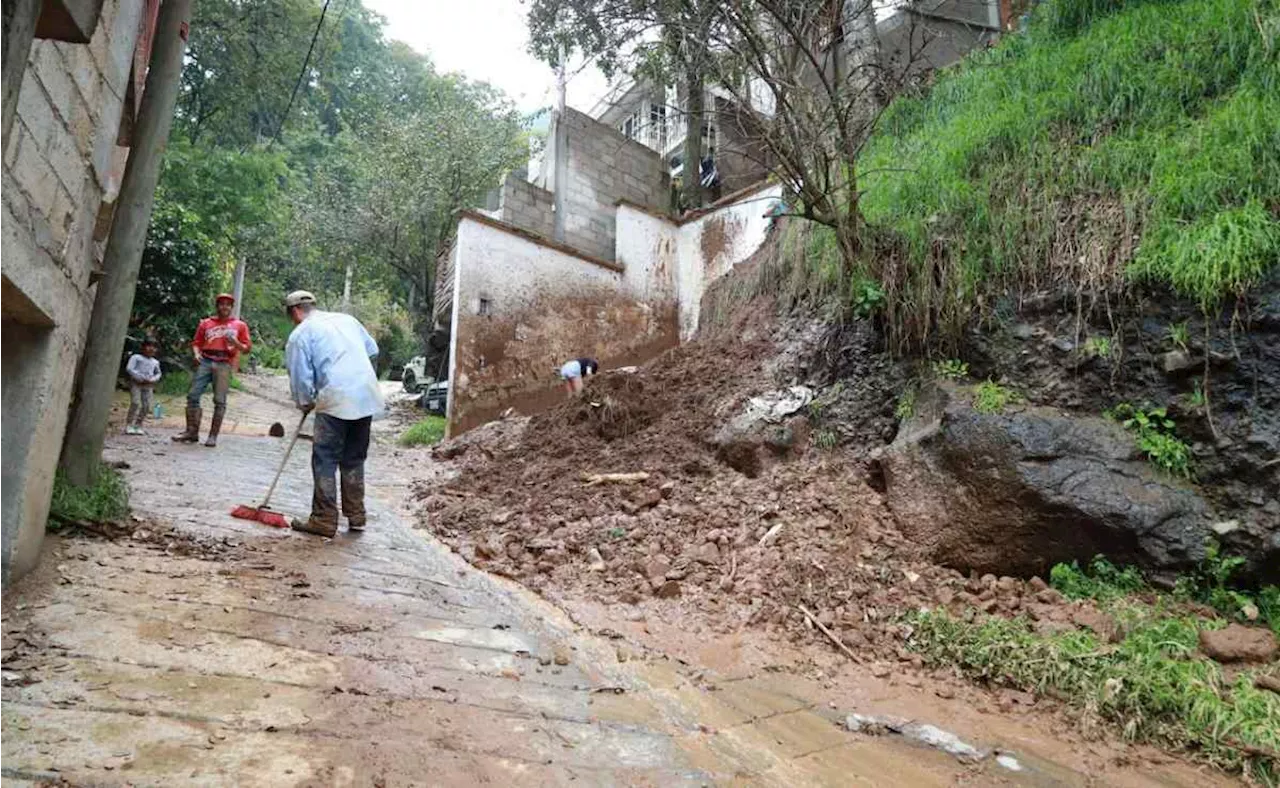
82	449
20	18
562	149
237	287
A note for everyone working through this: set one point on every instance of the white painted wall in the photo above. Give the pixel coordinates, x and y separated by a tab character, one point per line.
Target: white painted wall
646	247
662	261
746	224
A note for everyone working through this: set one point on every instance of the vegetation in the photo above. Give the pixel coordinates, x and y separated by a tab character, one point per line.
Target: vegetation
356	179
1151	684
951	369
105	499
427	432
1102	581
1109	121
1180	335
1098	347
991	398
826	439
906	407
1155	435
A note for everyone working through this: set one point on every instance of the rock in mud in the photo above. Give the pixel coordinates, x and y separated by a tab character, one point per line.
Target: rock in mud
668	590
1238	643
1020	492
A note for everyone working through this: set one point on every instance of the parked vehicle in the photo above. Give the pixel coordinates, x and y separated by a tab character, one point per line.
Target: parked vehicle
415	377
435	398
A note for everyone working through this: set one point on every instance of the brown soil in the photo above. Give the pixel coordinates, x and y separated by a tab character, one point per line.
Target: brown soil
697	541
716	567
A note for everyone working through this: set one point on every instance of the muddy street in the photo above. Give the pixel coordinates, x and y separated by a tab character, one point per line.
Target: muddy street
190	648
200	649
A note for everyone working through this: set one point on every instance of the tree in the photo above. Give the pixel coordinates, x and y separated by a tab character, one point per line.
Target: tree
819	65
177	279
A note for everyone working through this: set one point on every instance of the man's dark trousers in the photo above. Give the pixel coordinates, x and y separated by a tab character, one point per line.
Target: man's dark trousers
340	446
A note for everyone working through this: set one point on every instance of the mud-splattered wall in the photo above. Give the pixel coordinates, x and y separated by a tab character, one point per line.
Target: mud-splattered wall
523	306
713	243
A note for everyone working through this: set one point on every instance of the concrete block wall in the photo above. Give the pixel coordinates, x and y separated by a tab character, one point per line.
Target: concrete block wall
60	159
605	167
527	206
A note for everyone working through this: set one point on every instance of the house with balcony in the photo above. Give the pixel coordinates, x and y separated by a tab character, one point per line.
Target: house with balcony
933	34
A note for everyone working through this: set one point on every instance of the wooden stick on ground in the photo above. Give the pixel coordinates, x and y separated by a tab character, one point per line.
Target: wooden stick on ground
618	478
847	651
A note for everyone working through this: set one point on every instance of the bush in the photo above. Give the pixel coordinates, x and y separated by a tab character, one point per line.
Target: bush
427	432
107	498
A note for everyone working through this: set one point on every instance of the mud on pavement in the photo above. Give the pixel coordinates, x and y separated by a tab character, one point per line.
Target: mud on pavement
185	647
746	552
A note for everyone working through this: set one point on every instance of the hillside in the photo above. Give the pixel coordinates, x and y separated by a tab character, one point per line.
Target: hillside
1113	143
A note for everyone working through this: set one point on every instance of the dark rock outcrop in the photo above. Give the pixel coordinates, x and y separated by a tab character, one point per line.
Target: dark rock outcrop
1021	491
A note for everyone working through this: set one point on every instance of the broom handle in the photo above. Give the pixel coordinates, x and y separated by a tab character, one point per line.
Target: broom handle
283	462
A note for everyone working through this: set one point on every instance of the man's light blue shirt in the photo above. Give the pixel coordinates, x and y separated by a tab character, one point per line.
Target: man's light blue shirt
328	356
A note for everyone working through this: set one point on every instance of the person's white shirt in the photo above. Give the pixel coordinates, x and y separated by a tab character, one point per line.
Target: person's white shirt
329	357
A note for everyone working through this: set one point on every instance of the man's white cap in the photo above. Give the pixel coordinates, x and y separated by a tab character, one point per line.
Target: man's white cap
298	297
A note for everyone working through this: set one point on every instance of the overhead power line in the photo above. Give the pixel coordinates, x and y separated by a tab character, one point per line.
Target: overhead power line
301	74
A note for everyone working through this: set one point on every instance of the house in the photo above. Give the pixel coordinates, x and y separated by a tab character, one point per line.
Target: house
933	34
73	77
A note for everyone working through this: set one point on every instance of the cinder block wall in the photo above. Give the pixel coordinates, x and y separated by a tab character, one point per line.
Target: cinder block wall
527	206
59	159
605	167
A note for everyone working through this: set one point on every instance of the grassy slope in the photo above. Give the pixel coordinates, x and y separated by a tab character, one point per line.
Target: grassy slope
1106	144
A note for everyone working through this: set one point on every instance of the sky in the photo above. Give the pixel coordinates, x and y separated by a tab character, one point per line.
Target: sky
486	40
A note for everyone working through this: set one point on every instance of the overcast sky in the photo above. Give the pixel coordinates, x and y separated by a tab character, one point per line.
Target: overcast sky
486	40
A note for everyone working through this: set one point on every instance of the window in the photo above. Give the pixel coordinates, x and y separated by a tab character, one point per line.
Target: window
631	126
658	126
485	308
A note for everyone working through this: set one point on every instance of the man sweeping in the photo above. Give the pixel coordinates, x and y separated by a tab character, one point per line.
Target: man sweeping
330	360
217	346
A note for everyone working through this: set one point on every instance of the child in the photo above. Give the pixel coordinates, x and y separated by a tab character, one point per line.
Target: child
144	371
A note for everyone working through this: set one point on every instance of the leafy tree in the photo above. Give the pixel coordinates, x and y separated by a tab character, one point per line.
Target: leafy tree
177	278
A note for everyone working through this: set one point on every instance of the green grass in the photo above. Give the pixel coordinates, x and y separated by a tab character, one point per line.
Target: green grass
1150	686
106	499
1102	580
991	398
174	383
1115	142
951	369
427	432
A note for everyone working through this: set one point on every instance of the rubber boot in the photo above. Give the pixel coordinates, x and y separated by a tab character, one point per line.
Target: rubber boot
192	433
215	426
352	486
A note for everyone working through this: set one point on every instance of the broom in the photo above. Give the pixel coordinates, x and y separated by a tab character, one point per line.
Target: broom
263	513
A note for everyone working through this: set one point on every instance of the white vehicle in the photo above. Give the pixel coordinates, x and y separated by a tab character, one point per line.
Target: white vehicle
415	377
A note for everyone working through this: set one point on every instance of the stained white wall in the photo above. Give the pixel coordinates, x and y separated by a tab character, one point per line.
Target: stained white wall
710	246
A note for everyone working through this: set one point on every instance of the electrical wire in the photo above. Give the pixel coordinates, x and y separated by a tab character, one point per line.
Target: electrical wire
301	74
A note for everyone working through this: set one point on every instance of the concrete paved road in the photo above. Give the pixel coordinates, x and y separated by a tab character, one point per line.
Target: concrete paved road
225	652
